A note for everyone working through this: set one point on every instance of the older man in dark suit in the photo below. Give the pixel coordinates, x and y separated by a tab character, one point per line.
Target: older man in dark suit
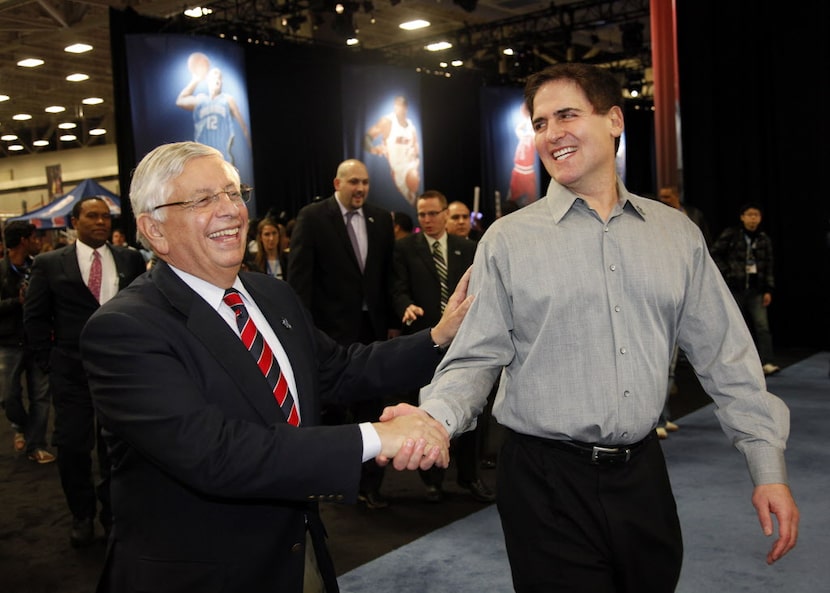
341	267
68	285
209	383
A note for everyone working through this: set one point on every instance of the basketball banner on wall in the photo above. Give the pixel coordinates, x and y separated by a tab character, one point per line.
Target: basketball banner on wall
382	107
184	87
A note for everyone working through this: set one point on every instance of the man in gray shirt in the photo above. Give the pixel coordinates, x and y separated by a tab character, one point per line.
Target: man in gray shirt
579	300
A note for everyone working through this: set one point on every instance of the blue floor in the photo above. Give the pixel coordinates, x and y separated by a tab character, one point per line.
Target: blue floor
725	549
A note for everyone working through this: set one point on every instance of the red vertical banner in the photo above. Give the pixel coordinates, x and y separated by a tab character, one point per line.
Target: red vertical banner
54	181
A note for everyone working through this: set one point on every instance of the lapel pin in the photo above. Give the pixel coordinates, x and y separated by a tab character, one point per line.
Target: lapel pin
371	219
285	323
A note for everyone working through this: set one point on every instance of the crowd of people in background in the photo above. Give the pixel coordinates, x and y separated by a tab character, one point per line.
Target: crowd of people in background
372	281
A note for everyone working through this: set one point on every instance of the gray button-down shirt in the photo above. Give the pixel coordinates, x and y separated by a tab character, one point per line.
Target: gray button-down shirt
580	317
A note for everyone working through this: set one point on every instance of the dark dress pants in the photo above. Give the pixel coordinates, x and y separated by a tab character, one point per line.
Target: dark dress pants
76	434
571	526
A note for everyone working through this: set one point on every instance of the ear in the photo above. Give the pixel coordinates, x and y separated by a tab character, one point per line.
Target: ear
153	230
615	118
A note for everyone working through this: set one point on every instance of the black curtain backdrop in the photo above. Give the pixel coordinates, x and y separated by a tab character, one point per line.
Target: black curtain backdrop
753	100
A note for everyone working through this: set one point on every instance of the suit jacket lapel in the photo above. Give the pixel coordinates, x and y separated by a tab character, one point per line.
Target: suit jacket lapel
219	339
424	251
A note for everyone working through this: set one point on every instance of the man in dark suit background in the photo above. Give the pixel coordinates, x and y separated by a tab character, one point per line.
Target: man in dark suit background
58	303
341	268
417	298
212	488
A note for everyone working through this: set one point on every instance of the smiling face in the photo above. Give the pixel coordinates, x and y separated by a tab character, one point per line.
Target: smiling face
575	144
209	242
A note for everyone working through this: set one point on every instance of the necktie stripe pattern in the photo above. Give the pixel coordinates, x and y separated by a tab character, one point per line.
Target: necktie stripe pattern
441	268
264	357
96	274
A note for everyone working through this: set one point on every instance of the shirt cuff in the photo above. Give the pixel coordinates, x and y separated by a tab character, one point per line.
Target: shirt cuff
371	441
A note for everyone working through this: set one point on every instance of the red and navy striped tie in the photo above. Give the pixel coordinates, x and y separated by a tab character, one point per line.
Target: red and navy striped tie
265	359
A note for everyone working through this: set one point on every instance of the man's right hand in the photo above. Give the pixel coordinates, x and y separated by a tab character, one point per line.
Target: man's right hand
413	441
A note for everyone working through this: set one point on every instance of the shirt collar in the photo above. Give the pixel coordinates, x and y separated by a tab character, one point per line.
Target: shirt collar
561	200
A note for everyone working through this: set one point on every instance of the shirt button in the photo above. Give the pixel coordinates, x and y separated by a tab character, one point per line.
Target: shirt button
617	308
626	393
625	434
623	350
605	229
612	267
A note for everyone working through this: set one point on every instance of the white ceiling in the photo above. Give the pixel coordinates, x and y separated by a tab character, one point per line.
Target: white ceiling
541	32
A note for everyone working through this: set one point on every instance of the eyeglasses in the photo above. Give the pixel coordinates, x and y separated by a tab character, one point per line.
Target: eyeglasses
432	214
240	196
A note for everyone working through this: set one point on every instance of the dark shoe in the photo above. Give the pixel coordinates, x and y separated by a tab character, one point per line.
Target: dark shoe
480	491
488	464
434	494
373	500
82	533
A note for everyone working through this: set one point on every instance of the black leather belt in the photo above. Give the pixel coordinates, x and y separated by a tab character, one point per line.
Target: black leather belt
596	454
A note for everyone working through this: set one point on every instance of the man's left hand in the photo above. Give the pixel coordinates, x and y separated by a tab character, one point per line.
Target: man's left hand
776	499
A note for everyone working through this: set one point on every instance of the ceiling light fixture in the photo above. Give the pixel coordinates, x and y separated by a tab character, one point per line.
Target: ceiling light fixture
55	109
21	117
30	63
77	48
77	77
4	98
352	41
414	25
439	46
68	137
97	132
197	12
8	137
68	125
15	147
92	101
40	143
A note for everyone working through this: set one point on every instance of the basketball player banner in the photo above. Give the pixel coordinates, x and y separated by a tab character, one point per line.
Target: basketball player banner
185	87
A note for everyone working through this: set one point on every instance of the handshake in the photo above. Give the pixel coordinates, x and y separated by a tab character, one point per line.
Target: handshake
411	439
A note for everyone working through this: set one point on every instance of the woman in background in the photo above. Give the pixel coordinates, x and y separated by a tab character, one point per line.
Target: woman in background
268	258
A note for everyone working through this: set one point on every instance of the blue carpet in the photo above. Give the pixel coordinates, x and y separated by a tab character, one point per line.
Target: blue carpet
725	549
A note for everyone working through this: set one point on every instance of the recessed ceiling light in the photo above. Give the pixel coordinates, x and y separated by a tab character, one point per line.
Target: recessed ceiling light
77	77
8	137
68	125
68	137
41	143
55	109
30	63
21	116
457	63
97	132
352	41
197	12
78	48
15	147
4	98
414	25
439	46
92	101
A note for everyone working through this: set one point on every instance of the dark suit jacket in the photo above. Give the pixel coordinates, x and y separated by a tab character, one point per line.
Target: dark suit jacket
58	302
211	488
323	269
416	280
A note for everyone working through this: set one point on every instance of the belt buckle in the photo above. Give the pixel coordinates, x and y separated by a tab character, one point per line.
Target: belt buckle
596	451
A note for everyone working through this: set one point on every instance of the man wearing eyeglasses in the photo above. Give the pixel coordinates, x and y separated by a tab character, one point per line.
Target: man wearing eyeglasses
66	287
209	382
428	267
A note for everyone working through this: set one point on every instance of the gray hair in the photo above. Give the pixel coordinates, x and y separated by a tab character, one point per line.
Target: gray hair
152	180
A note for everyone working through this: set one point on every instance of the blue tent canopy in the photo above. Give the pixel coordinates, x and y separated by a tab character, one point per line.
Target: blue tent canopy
58	213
